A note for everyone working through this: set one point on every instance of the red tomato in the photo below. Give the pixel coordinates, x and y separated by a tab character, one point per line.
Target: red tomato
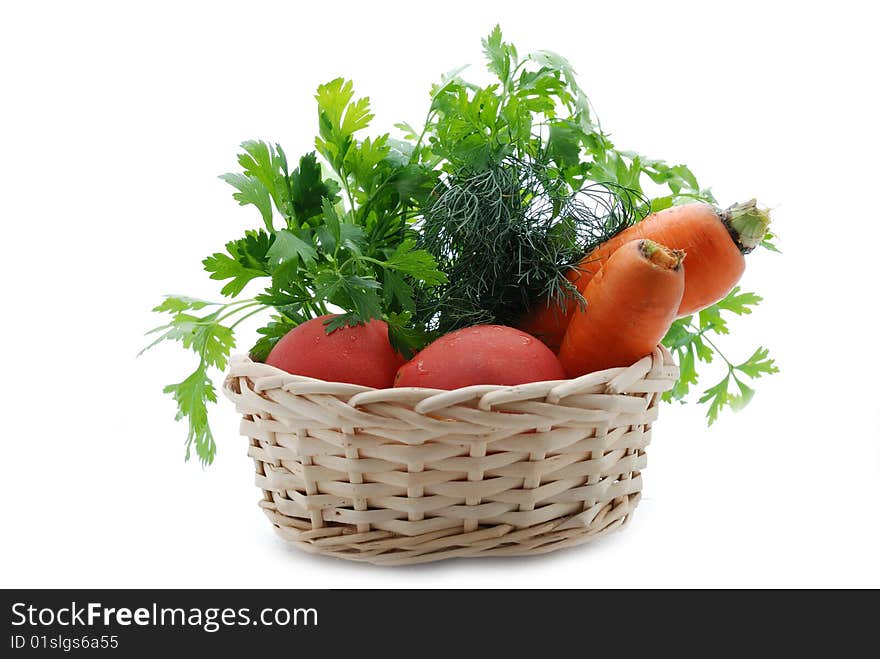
483	354
356	355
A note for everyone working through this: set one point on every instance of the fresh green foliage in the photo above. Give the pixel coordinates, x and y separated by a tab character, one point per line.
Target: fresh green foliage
349	227
212	342
718	396
405	336
690	341
245	259
192	396
177	303
251	191
537	106
309	191
769	242
357	253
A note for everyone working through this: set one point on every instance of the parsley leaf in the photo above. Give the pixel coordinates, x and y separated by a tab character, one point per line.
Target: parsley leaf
251	191
339	118
308	191
501	56
690	343
203	335
397	291
288	247
717	397
417	263
361	160
212	342
268	164
739	303
758	364
406	338
175	303
222	266
192	396
245	259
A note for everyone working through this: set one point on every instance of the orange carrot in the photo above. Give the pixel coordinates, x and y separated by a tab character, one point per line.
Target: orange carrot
549	321
715	242
631	302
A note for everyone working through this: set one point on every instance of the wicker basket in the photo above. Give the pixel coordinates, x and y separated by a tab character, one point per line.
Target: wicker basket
408	475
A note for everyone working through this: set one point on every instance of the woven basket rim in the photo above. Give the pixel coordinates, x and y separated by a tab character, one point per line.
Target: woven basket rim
616	379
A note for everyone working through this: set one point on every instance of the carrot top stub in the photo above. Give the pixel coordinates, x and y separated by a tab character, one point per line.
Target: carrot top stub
661	255
747	224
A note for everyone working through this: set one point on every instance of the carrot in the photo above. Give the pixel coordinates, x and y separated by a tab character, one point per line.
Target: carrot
549	321
631	302
715	242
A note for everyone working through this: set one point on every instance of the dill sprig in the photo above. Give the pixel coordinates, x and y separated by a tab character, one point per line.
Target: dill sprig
507	234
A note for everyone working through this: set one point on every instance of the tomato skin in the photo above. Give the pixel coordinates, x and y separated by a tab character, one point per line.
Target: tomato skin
482	354
357	355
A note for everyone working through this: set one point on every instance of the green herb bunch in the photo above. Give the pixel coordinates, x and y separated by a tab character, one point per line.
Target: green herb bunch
334	236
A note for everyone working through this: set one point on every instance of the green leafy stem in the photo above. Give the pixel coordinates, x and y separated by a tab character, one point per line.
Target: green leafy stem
689	341
212	341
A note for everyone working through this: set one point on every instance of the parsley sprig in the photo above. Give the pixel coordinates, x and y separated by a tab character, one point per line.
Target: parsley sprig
690	341
334	236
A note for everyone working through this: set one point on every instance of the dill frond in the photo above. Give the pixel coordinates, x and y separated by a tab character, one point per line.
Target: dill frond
506	236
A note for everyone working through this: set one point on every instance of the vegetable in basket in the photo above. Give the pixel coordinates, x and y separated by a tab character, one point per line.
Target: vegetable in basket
483	354
357	355
715	242
631	302
379	228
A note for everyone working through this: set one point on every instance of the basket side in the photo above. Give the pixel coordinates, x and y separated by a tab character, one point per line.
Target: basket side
396	476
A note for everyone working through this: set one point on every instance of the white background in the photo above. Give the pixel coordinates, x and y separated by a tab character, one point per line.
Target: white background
116	120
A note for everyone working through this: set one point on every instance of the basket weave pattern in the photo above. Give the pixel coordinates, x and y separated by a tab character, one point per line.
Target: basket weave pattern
410	475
